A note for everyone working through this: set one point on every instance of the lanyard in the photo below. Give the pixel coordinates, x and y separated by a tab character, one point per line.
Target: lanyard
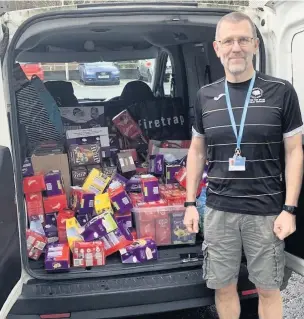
232	120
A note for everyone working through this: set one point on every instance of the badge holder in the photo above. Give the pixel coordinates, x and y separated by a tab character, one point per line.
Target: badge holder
237	162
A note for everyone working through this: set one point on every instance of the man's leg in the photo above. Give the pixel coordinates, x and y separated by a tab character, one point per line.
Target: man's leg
222	250
270	304
227	302
266	262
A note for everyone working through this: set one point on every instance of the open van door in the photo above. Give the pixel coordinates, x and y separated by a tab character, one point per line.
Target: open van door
282	27
10	261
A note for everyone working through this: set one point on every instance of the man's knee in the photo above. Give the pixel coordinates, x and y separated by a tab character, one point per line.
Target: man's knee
226	292
266	294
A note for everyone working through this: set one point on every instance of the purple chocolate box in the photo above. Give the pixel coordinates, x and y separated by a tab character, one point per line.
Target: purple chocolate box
83	218
126	220
122	202
53	182
27	168
156	164
139	251
150	189
179	233
134	184
57	257
119	178
99	226
50	228
170	173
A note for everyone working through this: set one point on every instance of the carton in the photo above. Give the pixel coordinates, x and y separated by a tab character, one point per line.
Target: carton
179	232
134	184
87	154
79	174
140	251
170	170
54	183
174	147
156	164
96	182
52	162
119	198
27	168
126	162
33	184
88	254
73	231
63	215
57	258
149	185
34	206
102	204
163	230
81	201
50	228
125	219
54	204
83	218
35	244
119	178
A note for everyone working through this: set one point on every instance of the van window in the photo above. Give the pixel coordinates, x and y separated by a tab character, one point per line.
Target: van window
102	80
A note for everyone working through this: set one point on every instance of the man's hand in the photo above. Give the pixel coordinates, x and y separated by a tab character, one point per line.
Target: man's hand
191	219
284	225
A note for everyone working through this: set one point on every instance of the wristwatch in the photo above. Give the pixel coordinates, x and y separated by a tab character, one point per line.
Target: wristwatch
290	209
186	204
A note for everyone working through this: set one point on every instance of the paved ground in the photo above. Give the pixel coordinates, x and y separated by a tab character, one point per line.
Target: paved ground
103	91
293	295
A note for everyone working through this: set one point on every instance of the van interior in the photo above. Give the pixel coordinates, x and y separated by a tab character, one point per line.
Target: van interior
184	38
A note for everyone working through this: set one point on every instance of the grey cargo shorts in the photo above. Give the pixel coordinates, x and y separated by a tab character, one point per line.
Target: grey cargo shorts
225	234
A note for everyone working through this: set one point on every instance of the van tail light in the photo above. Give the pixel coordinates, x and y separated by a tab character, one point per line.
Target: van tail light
148	63
56	316
249	292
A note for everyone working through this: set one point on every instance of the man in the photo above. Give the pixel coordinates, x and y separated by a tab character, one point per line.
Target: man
245	204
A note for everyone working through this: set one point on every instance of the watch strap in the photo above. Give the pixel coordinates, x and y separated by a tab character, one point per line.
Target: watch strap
290	209
187	204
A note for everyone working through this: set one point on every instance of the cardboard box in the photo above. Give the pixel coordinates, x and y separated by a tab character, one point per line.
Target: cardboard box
73	230
48	163
180	151
102	204
81	201
170	170
33	184
50	228
126	162
156	164
54	204
57	258
96	182
179	232
27	168
35	244
34	206
81	155
83	219
63	215
88	254
119	198
79	175
140	251
54	183
149	185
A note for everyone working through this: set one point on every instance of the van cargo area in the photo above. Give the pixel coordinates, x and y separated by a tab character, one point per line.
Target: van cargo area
100	149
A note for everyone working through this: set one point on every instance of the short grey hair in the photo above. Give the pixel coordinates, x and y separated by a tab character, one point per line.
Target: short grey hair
236	17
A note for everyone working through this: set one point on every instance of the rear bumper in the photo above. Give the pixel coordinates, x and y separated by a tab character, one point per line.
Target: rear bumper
118	297
101	81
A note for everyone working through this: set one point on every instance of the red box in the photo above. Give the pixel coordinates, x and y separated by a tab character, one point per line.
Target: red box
181	175
34	184
88	254
136	198
163	230
146	229
35	244
34	205
54	204
63	215
158	203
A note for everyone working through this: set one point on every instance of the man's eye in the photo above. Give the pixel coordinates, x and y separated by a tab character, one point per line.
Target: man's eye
244	40
228	42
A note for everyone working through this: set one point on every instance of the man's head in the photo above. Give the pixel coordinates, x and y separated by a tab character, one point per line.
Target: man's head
236	42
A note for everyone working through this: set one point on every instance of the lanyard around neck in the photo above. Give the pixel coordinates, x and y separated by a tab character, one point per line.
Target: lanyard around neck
239	135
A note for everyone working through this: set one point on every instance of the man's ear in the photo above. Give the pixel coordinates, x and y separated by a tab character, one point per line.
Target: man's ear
256	45
216	48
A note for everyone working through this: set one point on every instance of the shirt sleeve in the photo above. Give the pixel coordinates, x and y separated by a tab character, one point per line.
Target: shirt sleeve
197	128
292	119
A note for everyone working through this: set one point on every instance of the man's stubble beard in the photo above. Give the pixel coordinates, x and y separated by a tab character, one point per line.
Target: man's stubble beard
237	69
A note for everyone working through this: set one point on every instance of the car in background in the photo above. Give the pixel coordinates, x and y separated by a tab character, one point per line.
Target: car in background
99	73
31	69
145	70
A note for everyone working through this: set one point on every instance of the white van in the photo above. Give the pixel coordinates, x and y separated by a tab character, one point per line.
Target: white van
182	31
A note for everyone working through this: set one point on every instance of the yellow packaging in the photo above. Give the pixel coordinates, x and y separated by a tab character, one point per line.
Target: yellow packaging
96	182
102	204
73	230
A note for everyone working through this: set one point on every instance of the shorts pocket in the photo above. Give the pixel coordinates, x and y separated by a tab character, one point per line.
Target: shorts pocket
206	261
279	262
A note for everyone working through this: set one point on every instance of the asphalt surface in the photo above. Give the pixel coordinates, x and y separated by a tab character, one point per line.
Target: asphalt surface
104	91
293	295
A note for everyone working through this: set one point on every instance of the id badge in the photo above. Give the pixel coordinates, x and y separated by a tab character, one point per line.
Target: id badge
237	163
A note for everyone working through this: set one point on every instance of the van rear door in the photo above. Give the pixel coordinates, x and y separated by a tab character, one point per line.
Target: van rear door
285	38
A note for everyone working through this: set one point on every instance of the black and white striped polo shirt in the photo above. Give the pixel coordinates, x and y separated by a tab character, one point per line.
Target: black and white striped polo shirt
273	114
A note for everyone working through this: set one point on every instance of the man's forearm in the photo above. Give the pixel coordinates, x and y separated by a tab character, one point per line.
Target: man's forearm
195	167
293	175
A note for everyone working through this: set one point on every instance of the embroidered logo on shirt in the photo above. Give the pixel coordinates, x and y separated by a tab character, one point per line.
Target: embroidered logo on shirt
256	95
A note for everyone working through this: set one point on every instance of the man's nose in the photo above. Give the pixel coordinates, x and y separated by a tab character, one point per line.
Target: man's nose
236	47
